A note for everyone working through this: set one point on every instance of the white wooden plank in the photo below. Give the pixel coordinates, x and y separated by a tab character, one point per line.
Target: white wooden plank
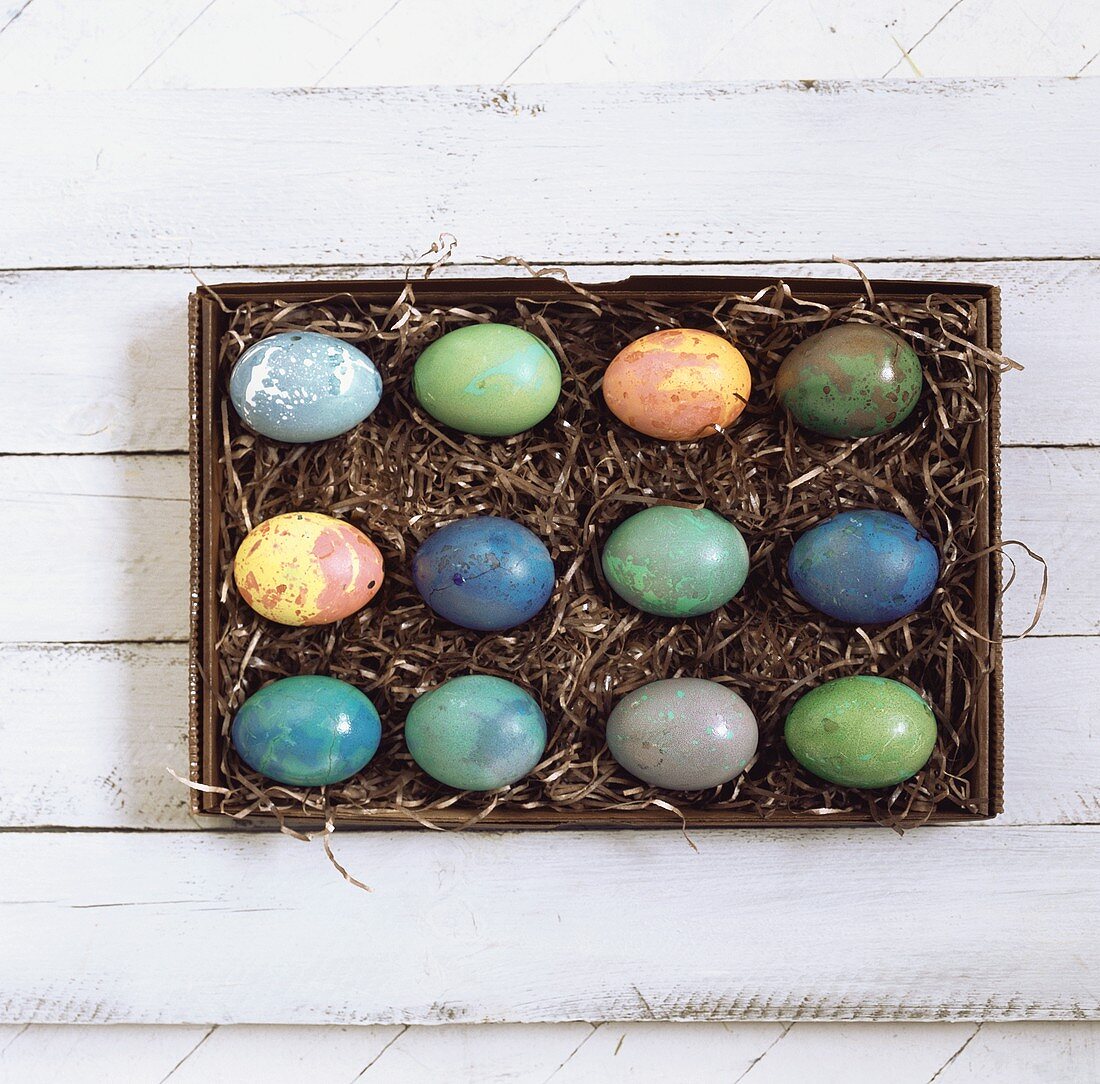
1025	1053
415	41
118	528
202	927
840	1053
83	1055
115	44
281	1055
486	1053
57	43
1052	747
265	43
660	1052
153	179
111	532
121	385
627	40
89	732
1020	1052
991	38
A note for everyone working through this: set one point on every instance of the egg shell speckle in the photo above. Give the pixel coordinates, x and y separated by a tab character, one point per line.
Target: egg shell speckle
676	562
866	567
301	386
484	572
678	384
307	731
303	568
862	731
492	380
683	733
476	732
850	380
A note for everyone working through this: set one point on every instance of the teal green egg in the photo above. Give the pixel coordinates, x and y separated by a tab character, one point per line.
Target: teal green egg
676	562
492	380
476	732
307	731
862	731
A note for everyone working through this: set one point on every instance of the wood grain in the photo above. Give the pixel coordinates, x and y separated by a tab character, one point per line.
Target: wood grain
639	1052
121	385
451	933
196	43
155	179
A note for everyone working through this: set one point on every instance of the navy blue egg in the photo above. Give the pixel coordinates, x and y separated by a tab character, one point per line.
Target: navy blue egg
301	386
865	567
484	573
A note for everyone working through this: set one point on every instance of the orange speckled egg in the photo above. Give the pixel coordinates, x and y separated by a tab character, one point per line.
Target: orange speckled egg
303	568
678	384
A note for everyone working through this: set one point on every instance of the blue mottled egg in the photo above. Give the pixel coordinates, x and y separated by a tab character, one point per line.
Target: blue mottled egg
307	731
301	386
476	732
865	567
484	573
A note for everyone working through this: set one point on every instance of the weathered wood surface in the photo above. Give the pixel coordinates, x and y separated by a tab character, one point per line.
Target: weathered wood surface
120	385
665	173
56	44
451	933
637	1052
982	922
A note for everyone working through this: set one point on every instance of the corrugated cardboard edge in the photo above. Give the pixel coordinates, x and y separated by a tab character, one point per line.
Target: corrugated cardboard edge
194	677
989	804
996	700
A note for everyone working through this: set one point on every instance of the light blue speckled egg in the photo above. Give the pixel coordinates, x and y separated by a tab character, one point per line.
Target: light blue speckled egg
301	386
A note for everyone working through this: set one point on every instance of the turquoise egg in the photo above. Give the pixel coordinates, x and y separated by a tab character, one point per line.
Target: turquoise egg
492	380
301	386
676	562
476	732
307	731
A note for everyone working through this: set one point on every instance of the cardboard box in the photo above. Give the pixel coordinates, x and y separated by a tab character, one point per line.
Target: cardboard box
210	315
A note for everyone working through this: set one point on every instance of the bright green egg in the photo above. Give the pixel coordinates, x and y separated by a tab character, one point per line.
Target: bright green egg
493	380
862	731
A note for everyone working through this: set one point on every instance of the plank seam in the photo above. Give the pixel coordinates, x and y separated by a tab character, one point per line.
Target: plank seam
554	261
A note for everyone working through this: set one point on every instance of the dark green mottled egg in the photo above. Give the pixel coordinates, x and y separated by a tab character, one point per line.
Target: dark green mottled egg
851	380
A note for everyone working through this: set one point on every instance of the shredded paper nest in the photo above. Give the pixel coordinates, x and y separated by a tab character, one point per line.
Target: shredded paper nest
399	476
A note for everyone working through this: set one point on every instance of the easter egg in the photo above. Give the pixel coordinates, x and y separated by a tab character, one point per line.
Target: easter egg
300	386
682	733
851	380
493	380
866	567
303	568
476	732
676	562
678	384
861	731
307	731
484	573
